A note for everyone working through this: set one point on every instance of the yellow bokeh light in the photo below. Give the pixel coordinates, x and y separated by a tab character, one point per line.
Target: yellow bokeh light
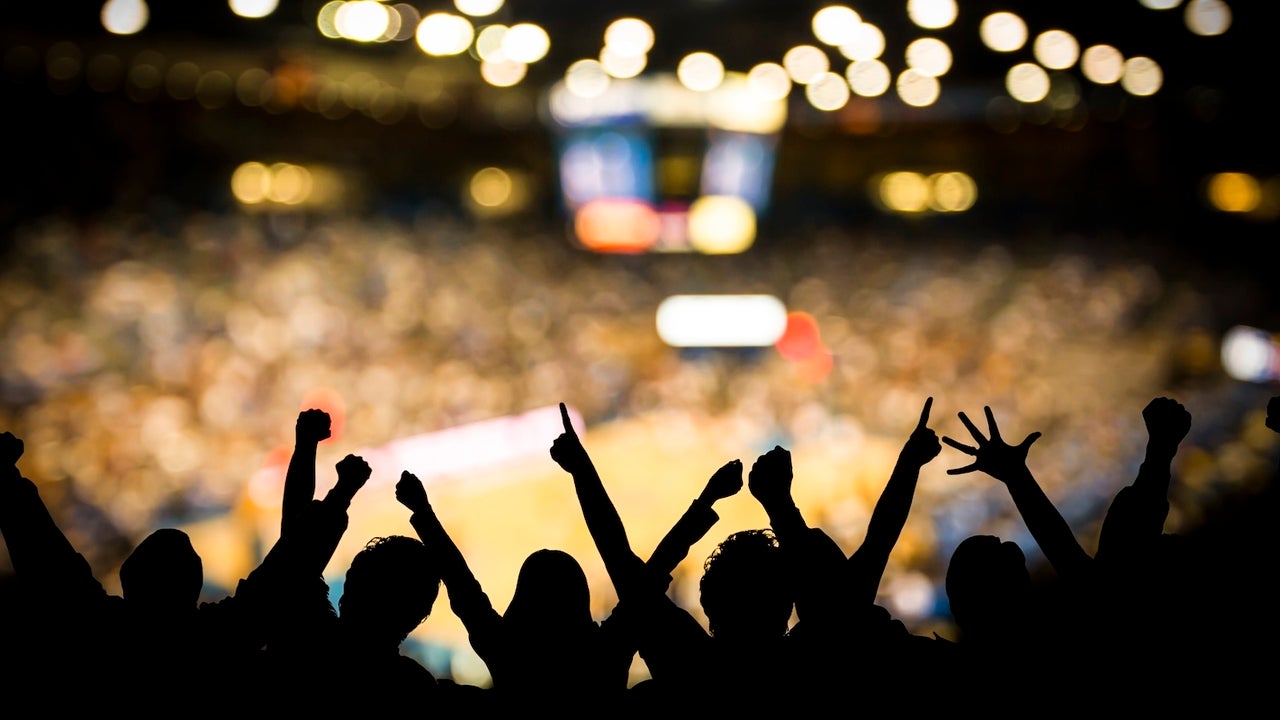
288	184
629	36
125	17
443	34
805	63
1207	17
1102	64
869	78
835	24
622	65
721	225
362	20
1235	192
325	19
932	14
904	191
829	91
1056	49
867	43
700	71
1027	82
929	56
916	89
1142	76
489	42
586	79
769	81
478	8
526	43
253	8
952	192
250	183
503	73
491	187
1003	32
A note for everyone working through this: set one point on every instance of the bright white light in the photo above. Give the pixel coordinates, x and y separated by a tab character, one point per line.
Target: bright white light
444	34
1003	31
629	36
932	14
503	73
1160	4
829	91
1056	49
700	71
1249	354
526	43
586	79
1142	76
929	56
362	20
1207	17
835	24
125	17
478	8
867	43
805	63
622	66
721	320
916	89
1102	64
253	8
868	78
1027	82
769	81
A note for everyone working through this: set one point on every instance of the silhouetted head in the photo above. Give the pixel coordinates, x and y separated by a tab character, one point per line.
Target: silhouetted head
746	591
163	574
551	594
390	588
988	584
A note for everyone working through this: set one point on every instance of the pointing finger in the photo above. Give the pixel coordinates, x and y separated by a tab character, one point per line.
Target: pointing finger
924	414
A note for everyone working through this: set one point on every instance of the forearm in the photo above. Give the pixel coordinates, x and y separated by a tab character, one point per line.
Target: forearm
605	526
1047	526
299	483
674	547
888	518
465	593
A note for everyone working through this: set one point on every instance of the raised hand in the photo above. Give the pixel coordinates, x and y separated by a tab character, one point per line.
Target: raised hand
1273	413
353	473
770	477
1168	422
922	446
567	449
313	426
410	493
11	448
992	455
724	482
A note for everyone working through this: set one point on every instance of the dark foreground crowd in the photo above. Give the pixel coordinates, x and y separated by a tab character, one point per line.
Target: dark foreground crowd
1150	621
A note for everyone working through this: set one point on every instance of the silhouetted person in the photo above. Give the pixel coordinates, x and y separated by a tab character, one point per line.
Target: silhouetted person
389	590
746	592
546	650
153	649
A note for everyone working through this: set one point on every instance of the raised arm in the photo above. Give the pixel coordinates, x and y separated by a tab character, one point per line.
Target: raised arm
40	552
467	598
1137	513
770	484
1008	464
603	522
318	528
312	427
868	562
694	524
